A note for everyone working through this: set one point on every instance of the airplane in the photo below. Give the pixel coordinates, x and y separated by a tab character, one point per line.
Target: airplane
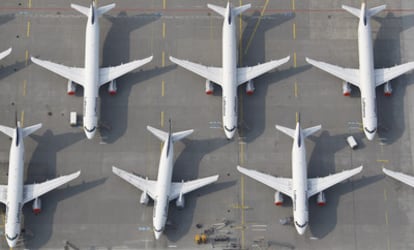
366	78
299	188
407	179
15	194
162	191
91	77
229	77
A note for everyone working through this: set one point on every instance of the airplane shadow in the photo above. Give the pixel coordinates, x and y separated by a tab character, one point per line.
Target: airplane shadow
186	168
322	220
253	123
387	53
38	229
116	50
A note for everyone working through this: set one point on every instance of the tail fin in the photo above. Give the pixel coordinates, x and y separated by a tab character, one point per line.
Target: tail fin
309	131
288	131
29	130
238	10
220	10
81	9
102	10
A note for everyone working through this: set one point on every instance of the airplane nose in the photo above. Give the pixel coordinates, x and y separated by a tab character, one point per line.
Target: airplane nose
370	136
301	230
229	134
90	135
157	234
11	243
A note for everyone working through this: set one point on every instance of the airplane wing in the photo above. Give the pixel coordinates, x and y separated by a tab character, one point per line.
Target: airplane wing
283	185
71	73
316	185
348	75
3	194
247	73
213	74
409	180
110	73
33	191
5	53
142	184
178	188
384	75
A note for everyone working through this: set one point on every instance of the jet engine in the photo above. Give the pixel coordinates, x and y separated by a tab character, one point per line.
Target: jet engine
144	198
278	199
71	89
112	87
209	88
321	200
250	87
346	89
180	201
387	89
37	206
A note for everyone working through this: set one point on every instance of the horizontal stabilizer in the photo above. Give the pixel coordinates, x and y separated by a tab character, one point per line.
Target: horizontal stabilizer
316	185
102	10
384	75
181	135
7	131
238	10
348	75
74	74
163	136
354	11
404	178
280	184
142	184
33	191
81	9
5	53
110	73
213	74
29	130
376	10
247	73
309	131
178	188
288	131
218	9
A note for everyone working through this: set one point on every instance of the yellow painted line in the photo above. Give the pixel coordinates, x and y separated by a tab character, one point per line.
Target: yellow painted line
28	29
162	88
383	161
294	31
296	89
385	194
29	4
297	117
242	211
24	87
388	243
164	4
162	119
27	56
293	5
22	118
163	30
163	59
386	217
294	59
256	26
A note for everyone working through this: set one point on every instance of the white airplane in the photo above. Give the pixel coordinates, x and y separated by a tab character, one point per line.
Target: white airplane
15	194
366	78
299	188
229	77
407	179
163	190
91	77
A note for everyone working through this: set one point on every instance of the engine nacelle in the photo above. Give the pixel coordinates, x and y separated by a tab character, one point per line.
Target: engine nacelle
209	88
387	89
37	206
278	199
71	89
346	89
321	200
180	202
144	198
250	88
112	87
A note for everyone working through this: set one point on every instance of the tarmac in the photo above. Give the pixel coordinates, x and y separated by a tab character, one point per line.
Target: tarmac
100	211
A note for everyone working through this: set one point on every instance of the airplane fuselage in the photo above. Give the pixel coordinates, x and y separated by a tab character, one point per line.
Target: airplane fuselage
161	204
229	86
367	78
299	182
14	202
91	89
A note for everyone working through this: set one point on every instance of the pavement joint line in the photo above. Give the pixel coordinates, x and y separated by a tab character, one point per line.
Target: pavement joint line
28	29
256	26
386	217
294	31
